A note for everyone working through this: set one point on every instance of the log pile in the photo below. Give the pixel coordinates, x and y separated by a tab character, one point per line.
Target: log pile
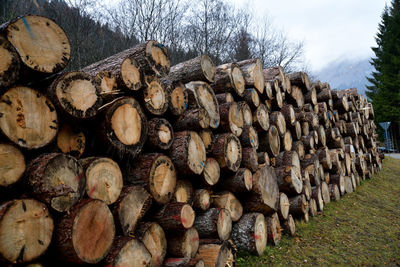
132	162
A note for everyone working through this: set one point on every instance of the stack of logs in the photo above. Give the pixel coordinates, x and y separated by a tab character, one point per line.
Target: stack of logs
132	162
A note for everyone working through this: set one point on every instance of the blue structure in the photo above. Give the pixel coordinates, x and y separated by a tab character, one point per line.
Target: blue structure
388	140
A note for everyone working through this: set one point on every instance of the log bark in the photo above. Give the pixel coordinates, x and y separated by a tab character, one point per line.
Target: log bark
188	153
300	79
156	173
289	114
249	159
177	97
313	208
27	227
334	192
193	119
200	68
27	118
56	179
223	98
249	137
214	223
103	179
77	235
227	151
132	204
250	233
175	217
252	98
183	262
298	205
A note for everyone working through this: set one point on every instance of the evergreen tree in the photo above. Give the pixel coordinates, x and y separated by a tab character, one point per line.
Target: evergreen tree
384	90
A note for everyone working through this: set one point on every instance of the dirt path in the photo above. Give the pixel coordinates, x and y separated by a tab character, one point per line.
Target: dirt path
362	229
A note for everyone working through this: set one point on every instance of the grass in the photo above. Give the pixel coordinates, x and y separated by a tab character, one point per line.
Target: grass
362	229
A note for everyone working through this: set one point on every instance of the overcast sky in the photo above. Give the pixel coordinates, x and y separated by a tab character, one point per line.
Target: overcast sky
330	29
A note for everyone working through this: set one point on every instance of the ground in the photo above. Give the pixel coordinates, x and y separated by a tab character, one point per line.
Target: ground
362	229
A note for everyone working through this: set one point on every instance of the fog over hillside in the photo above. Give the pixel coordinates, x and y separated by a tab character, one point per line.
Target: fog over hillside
346	74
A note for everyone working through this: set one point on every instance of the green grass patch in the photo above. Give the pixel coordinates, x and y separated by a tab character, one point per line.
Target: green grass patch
362	229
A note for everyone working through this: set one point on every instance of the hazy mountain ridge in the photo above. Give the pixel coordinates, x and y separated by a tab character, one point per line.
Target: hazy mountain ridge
347	74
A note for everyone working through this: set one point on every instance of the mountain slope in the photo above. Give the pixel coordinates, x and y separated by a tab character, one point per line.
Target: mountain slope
347	74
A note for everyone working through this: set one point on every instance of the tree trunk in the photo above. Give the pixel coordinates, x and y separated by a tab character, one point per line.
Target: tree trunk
288	181
300	79
252	98
216	253
298	205
229	77
27	118
253	73
131	206
273	229
338	179
231	118
193	119
200	68
12	164
153	237
240	182
214	223
175	217
160	134
227	200
57	180
317	195
10	69
289	114
123	131
249	159
185	244
289	226
156	173
85	234
129	251
261	118
223	98
249	137
154	95
270	141
205	98
250	233
227	151
188	153
201	200
103	179
22	221
265	192
277	119
177	97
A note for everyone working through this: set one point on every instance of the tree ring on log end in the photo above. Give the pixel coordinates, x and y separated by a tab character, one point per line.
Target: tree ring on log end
42	44
260	233
127	123
238	80
196	153
208	68
187	216
162	179
93	223
233	152
12	164
158	55
224	224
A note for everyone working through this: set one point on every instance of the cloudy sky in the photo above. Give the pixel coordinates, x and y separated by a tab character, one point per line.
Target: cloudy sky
330	29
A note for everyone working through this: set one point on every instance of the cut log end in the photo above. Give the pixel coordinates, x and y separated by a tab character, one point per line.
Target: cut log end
27	118
12	164
71	141
155	97
9	65
130	74
128	251
26	228
34	36
159	58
